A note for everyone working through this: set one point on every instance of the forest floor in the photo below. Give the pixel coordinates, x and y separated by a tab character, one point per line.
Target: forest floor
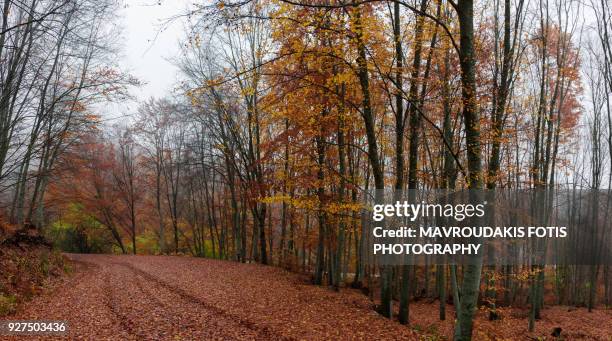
181	298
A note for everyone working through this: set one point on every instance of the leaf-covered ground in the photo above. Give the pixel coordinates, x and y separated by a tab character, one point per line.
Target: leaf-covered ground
180	298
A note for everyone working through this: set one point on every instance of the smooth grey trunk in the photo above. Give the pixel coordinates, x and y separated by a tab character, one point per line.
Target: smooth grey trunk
473	269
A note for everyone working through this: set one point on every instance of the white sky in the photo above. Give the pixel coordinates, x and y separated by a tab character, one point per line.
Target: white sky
147	46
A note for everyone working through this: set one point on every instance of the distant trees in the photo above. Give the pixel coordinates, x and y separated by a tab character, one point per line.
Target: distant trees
599	82
89	177
127	179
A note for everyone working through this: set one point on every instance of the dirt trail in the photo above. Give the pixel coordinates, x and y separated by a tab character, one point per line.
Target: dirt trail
180	298
184	298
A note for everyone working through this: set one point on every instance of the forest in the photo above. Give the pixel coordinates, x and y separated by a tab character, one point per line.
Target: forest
288	114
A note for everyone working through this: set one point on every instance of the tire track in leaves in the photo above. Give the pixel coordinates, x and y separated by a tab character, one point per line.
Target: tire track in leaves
111	302
262	332
139	310
204	323
153	313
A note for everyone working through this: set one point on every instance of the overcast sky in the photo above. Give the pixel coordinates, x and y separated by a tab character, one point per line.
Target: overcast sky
146	48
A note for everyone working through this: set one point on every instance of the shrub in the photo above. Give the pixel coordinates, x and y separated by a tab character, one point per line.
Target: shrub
8	304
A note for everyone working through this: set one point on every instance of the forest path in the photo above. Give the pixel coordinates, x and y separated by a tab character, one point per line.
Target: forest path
183	298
